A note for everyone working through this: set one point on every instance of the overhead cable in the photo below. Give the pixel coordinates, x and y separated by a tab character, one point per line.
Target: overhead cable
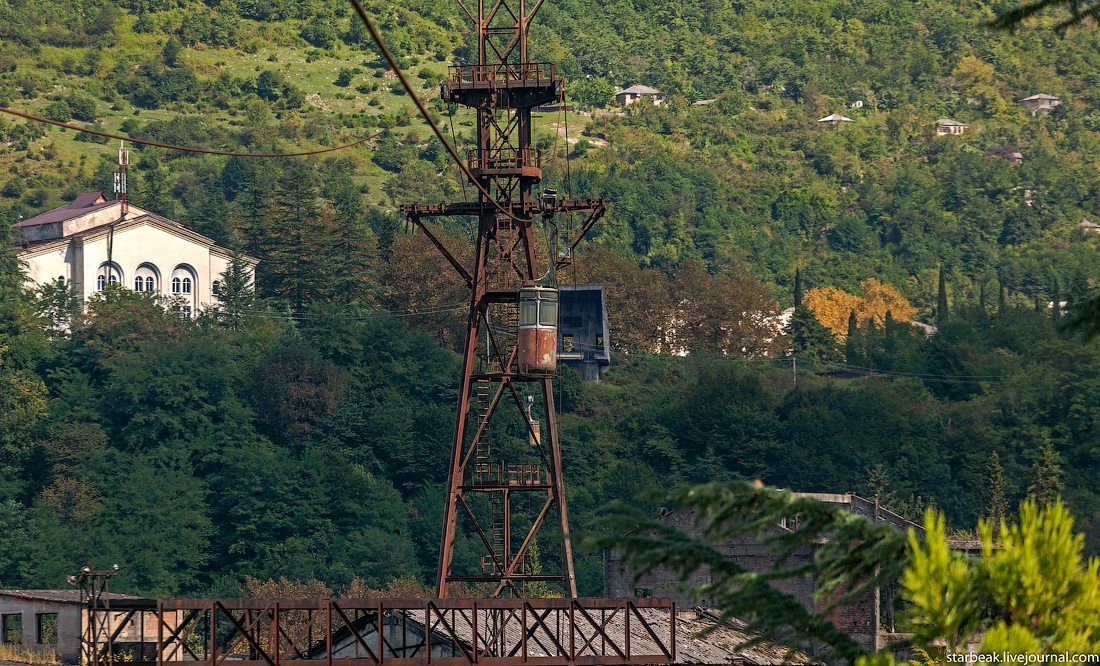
377	37
144	142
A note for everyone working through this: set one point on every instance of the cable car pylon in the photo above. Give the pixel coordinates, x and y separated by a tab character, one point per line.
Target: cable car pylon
511	332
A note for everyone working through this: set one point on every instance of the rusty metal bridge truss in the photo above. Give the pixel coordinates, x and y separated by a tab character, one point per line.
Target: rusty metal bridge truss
503	88
460	632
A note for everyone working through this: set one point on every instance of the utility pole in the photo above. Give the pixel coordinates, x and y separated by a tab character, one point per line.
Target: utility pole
120	195
507	289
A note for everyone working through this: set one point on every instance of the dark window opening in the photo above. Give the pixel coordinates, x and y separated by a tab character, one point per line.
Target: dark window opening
643	593
47	628
11	629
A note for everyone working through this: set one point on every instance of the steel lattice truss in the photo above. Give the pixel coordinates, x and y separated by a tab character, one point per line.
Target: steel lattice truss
503	88
378	632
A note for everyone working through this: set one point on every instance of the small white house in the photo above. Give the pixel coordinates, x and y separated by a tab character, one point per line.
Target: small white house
638	93
147	252
946	126
835	119
1041	103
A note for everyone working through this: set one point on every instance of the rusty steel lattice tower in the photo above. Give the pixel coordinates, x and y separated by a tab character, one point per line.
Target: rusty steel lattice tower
503	88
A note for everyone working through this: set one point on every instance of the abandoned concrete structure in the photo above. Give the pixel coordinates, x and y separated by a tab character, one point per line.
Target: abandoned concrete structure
38	620
869	620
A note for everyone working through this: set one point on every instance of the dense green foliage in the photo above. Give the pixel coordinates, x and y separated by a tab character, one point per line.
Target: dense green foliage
298	431
1030	593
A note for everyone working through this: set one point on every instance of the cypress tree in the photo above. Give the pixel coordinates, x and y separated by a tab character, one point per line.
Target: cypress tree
797	287
996	505
1001	303
889	345
852	348
1055	312
981	296
941	300
1046	475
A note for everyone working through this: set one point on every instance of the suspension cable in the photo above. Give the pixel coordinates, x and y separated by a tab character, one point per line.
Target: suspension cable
377	37
88	130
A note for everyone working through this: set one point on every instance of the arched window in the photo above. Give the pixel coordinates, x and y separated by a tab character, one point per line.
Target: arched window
60	279
175	285
148	276
108	275
187	285
217	287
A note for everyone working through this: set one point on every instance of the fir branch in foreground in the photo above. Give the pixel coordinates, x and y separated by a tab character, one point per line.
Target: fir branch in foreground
852	555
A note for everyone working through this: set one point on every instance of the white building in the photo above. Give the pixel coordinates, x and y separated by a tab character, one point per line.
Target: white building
1041	103
640	92
147	252
946	126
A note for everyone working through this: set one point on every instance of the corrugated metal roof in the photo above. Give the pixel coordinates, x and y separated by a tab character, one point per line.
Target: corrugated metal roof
56	596
84	204
721	646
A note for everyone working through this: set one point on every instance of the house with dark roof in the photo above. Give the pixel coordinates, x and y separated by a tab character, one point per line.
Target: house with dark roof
90	243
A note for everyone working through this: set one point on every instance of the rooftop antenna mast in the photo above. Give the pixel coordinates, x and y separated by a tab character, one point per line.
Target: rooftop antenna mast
513	300
120	195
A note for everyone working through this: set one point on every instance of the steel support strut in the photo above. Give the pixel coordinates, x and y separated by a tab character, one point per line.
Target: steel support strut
503	88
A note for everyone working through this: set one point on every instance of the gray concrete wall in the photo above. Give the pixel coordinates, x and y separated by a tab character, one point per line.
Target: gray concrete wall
68	625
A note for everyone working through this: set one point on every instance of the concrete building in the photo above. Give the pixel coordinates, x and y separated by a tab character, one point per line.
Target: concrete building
639	93
946	126
147	252
1041	103
584	338
869	620
40	620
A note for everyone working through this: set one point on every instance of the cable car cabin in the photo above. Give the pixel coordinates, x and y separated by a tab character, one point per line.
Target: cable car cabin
538	329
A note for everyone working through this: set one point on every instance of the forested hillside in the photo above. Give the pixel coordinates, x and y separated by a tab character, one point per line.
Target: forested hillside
302	431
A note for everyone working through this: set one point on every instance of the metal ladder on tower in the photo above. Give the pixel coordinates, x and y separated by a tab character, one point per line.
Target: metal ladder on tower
482	465
496	501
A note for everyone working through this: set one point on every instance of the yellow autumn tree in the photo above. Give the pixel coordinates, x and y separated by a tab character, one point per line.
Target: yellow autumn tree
878	299
832	306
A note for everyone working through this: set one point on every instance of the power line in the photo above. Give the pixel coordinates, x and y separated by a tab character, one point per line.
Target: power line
40	119
377	37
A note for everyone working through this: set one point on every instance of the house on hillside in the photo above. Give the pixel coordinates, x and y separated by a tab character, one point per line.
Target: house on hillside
1089	227
835	119
1005	152
1041	103
147	252
639	93
946	126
